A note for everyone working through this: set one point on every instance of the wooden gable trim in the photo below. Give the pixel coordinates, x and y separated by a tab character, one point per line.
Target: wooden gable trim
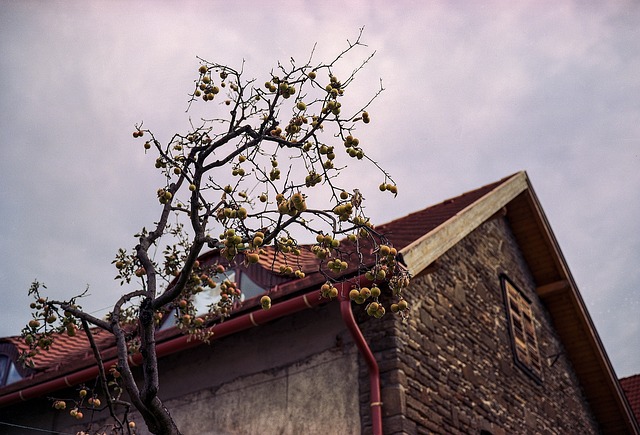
547	290
424	251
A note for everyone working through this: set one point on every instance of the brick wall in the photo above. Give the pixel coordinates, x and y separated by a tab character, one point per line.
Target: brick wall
449	368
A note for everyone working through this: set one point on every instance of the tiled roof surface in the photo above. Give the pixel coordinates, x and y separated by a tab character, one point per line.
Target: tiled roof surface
407	229
64	349
631	387
306	261
401	232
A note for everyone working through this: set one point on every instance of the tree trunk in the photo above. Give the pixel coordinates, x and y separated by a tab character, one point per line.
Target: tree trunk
159	420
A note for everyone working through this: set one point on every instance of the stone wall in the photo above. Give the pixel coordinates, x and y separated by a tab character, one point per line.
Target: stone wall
449	368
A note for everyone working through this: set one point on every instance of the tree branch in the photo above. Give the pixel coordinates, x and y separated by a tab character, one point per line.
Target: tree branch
102	376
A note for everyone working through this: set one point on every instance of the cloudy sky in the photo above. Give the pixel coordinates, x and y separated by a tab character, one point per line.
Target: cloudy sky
474	92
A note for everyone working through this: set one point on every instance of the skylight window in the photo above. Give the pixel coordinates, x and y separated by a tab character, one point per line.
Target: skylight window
208	295
8	372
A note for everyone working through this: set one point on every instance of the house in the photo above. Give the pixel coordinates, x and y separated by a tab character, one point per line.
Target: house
497	341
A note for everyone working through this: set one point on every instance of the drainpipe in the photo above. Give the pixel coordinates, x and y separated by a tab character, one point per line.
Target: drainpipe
365	351
228	327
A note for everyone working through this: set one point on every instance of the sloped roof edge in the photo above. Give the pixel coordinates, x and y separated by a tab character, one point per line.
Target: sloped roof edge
428	248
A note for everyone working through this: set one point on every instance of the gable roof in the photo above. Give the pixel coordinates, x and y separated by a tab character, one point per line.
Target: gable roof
422	237
515	198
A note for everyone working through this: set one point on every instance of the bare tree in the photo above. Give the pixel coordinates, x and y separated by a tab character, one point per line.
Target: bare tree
247	184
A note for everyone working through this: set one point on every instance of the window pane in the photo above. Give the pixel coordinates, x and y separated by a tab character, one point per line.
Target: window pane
249	288
523	333
210	295
13	375
4	360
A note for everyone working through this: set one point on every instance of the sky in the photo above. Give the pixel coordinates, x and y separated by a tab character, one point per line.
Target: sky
474	91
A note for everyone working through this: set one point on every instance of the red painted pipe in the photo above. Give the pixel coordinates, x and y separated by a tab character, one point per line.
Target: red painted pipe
363	347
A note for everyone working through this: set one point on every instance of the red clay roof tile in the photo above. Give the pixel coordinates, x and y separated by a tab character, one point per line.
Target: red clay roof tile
631	387
64	349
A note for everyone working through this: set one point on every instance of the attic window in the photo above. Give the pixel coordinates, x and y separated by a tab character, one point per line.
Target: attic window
208	296
8	372
522	328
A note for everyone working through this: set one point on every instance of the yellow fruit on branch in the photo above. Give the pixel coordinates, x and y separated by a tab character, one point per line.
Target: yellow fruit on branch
265	301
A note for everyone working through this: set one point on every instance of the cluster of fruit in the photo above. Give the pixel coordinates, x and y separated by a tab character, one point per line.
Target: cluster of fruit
337	265
281	87
231	213
334	88
386	262
332	106
186	315
325	243
39	333
330	154
233	243
273	175
288	245
92	402
360	296
401	306
164	196
292	206
390	187
76	413
265	302
312	179
295	124
364	225
206	88
345	209
352	147
328	290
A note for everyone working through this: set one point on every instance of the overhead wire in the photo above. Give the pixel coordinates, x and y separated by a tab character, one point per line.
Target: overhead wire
19	426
